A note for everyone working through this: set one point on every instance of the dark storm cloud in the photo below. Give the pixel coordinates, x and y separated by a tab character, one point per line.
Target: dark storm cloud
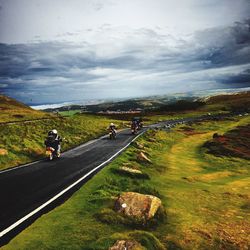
227	46
238	81
220	55
33	59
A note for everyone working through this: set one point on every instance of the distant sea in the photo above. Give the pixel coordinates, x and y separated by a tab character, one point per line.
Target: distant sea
51	106
61	104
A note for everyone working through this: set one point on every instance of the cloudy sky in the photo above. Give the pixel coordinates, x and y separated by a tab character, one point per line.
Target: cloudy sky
59	50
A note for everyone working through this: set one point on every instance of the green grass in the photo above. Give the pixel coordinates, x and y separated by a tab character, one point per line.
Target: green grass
70	112
24	142
179	115
205	199
11	111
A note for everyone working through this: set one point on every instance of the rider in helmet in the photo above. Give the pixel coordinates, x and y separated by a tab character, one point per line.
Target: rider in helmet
53	140
112	127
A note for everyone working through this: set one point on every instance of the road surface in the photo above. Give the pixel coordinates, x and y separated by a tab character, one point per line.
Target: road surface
26	188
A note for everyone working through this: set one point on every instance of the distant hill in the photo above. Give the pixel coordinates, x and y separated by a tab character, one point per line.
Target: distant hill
12	110
234	102
147	104
175	103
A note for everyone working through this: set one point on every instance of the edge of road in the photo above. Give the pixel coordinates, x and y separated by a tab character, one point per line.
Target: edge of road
54	198
69	150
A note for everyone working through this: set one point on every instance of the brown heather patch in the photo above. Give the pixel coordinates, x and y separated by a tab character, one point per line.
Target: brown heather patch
190	131
234	234
235	143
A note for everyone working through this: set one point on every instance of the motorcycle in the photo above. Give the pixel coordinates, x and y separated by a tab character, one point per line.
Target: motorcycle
51	153
134	130
134	127
112	134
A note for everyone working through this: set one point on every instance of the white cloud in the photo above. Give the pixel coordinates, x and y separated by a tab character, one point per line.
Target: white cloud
62	19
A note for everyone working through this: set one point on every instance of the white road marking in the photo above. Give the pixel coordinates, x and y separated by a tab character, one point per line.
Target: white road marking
20	221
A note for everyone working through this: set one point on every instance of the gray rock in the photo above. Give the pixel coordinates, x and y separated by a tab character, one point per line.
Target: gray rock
136	205
126	245
143	158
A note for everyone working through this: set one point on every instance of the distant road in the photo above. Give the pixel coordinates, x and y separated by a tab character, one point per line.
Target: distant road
32	189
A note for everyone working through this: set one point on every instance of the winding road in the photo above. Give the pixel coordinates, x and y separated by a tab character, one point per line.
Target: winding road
30	190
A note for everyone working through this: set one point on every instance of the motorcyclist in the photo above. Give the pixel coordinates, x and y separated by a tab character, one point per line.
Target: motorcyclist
112	128
134	125
53	140
139	123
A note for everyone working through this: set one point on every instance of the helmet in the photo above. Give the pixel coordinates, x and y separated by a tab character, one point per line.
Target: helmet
112	124
54	131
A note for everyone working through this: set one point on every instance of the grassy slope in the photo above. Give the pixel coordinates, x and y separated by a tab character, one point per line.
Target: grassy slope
24	141
11	110
230	102
213	105
206	199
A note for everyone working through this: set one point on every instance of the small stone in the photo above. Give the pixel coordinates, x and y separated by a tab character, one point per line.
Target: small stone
138	145
131	170
152	140
142	157
126	245
216	135
126	164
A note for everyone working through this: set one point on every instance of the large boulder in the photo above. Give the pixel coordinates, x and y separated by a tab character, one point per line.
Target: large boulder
126	245
141	157
140	206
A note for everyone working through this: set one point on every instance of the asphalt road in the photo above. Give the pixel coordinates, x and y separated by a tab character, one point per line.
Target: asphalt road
26	188
28	191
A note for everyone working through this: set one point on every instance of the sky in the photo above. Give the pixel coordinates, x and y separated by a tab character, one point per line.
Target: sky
59	51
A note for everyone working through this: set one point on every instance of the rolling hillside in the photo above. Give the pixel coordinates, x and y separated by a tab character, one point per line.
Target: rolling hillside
12	110
233	102
224	102
23	130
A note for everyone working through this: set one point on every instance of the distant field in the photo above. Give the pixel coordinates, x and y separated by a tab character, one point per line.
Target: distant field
173	104
205	197
70	112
